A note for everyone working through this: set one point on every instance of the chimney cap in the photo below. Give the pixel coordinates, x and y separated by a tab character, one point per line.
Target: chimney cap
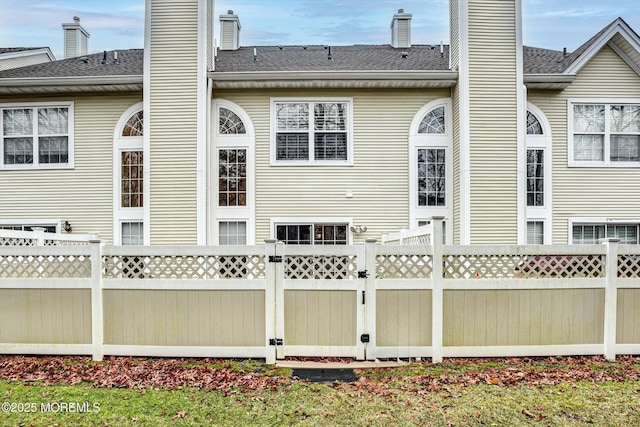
76	19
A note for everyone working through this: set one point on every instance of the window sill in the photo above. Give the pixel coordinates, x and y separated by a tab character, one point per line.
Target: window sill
285	163
611	165
38	167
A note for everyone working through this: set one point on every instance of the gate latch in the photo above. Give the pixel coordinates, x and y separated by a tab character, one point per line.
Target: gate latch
275	258
276	341
363	274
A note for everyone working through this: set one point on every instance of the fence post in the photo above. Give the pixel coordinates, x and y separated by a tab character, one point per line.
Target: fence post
38	233
97	313
611	298
370	292
270	299
437	294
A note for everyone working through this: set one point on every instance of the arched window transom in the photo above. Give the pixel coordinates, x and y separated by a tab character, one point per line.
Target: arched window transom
533	125
433	122
230	123
134	126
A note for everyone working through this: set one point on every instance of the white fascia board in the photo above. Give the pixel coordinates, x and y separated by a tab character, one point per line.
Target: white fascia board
618	26
70	81
549	81
30	52
333	75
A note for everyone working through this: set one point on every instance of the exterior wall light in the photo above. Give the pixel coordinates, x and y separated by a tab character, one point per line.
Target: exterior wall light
358	229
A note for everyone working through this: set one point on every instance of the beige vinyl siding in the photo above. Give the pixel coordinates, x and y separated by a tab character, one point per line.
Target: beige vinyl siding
379	177
627	48
45	316
589	191
71	43
457	167
173	122
82	195
454	33
23	61
493	121
523	317
161	317
403	32
227	35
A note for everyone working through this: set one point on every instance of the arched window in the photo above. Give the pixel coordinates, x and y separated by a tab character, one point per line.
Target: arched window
232	198
431	164
433	122
128	178
134	126
537	191
230	123
533	125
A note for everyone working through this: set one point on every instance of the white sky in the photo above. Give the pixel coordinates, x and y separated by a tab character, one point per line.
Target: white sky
119	24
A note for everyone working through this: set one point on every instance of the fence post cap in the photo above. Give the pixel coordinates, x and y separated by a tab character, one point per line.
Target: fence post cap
610	240
370	240
437	217
270	240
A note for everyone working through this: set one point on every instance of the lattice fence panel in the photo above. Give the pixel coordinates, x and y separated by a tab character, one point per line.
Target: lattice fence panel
56	242
424	239
628	266
404	266
13	241
320	267
526	266
184	267
45	266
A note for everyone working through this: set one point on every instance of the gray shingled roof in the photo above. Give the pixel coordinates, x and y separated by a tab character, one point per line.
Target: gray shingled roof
297	58
18	49
130	63
344	58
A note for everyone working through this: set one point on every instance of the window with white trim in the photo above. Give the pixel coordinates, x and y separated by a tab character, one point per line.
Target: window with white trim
592	233
37	136
535	177
430	164
128	177
312	234
316	132
232	232
535	232
605	134
232	177
48	228
232	157
132	233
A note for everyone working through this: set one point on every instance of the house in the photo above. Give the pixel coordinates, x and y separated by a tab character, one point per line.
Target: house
183	143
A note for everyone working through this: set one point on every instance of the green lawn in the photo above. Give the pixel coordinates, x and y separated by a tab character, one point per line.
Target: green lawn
559	392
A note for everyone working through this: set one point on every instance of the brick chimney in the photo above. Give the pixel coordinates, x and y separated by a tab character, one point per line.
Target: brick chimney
229	31
76	39
401	29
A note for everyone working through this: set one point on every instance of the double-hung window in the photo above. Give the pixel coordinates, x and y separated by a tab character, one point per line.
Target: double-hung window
604	134
37	136
311	132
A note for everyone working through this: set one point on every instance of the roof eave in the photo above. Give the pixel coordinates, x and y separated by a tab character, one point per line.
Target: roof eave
48	85
549	81
333	79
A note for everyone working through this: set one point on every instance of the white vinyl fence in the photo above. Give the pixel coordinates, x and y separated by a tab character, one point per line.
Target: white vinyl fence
365	301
